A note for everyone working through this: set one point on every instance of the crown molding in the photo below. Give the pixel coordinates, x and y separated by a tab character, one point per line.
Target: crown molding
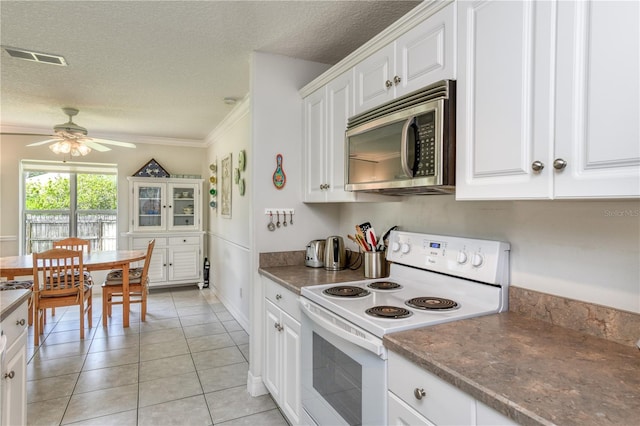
388	35
240	110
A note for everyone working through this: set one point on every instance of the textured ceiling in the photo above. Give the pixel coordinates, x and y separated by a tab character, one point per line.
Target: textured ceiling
160	69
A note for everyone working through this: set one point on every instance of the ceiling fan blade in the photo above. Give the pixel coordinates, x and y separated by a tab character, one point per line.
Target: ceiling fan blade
93	145
44	142
114	143
25	134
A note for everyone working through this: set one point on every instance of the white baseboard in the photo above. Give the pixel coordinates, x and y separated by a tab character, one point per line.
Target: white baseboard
255	387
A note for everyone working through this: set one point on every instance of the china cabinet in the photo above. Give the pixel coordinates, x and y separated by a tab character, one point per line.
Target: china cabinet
170	211
423	55
13	387
546	108
282	349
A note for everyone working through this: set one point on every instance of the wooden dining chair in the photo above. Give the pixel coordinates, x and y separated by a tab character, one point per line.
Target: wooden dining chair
112	288
73	243
58	280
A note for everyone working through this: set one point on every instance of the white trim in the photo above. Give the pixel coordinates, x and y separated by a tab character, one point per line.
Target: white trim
220	237
388	35
238	112
4	238
255	386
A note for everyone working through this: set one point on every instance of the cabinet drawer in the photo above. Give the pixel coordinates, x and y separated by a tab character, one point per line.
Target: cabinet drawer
13	324
174	241
282	298
142	243
442	403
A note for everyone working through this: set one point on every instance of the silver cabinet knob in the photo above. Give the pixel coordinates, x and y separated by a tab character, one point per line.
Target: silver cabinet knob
10	375
537	166
278	296
559	164
21	322
419	393
388	84
278	327
397	80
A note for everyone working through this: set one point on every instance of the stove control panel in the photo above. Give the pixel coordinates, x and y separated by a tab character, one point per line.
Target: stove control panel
480	260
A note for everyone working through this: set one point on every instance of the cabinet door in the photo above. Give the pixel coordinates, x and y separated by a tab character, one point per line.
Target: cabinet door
598	99
400	414
149	206
373	80
314	146
426	53
183	206
272	349
290	396
158	266
339	109
14	388
184	263
504	100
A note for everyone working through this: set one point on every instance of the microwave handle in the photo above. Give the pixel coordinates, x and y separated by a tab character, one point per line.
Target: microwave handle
404	146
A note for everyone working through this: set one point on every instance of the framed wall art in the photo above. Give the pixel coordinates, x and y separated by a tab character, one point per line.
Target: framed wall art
225	186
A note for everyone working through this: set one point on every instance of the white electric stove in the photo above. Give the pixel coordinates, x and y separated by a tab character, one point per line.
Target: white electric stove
433	279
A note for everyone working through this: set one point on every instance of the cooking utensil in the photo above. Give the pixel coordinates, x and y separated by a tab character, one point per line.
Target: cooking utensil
271	226
285	219
291	218
278	222
371	238
383	241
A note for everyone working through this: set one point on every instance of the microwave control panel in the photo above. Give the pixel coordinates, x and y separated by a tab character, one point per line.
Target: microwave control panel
425	134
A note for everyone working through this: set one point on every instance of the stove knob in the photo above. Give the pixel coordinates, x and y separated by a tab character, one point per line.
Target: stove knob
462	257
395	246
477	260
405	248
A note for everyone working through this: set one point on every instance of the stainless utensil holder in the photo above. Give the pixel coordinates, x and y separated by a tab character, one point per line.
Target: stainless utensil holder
375	264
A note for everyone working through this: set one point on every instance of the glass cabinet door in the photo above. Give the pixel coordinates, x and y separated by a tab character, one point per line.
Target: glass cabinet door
184	206
149	206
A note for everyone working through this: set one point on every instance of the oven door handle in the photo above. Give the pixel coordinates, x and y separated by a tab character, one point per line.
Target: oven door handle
339	327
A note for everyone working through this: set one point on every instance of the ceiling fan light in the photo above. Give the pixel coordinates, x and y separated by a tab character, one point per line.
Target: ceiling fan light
80	149
62	147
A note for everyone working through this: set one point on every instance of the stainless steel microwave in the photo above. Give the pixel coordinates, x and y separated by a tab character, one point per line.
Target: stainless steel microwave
406	146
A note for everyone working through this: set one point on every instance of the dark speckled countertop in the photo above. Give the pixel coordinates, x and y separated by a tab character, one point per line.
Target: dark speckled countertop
297	276
534	372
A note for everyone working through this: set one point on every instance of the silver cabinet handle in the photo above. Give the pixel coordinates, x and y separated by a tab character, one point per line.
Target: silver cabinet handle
537	166
10	375
419	393
397	80
388	84
278	327
21	322
559	164
278	296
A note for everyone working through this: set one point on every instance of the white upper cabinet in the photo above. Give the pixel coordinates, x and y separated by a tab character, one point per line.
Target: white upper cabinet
598	99
421	56
544	110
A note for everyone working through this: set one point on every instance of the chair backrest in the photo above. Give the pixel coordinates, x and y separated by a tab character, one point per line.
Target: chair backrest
73	243
147	259
62	272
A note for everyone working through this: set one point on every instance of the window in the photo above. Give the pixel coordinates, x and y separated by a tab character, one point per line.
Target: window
68	200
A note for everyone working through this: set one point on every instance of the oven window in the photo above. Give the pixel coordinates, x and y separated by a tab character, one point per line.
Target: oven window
338	378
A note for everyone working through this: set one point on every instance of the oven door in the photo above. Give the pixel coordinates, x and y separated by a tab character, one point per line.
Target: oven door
344	374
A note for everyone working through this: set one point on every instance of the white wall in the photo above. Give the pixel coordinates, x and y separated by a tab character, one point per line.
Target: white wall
584	250
13	149
276	128
229	239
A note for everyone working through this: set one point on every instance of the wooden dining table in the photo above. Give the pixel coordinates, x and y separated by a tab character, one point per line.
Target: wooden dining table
18	266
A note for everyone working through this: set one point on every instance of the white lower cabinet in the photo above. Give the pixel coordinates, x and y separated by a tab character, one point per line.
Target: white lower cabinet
175	259
13	387
281	370
417	397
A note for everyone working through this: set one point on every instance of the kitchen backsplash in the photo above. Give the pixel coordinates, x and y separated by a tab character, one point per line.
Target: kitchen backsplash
596	320
282	258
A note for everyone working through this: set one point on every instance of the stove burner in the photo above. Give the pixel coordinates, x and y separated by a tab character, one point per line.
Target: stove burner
384	285
346	291
392	312
432	303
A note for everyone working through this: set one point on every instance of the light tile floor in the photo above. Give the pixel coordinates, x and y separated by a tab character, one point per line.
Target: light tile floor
185	365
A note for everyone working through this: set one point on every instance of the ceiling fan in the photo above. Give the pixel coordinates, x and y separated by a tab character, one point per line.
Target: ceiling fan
70	138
